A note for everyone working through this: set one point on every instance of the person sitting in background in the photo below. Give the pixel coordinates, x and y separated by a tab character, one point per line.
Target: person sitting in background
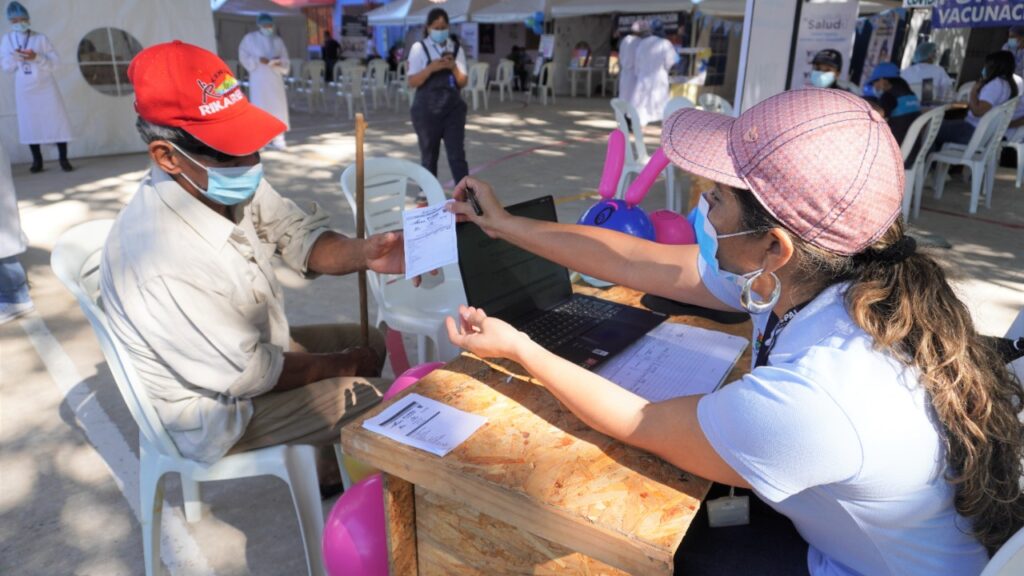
1015	45
898	102
924	67
395	56
1015	132
826	67
995	86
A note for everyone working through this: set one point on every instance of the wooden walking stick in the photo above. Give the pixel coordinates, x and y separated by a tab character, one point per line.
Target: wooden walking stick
364	315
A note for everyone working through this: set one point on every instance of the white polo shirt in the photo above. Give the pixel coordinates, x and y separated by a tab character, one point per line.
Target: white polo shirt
842	439
418	58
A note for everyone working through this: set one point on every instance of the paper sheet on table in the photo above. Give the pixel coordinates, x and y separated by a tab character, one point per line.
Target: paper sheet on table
426	424
429	239
675	360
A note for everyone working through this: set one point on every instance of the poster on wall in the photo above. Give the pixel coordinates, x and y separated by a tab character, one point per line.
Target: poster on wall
880	46
823	25
547	46
469	36
355	36
977	13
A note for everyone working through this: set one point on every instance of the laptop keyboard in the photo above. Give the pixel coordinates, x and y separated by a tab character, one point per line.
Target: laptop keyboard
568	320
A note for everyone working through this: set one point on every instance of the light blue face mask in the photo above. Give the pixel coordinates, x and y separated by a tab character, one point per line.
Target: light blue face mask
439	36
822	79
732	289
20	26
267	30
1012	44
227	186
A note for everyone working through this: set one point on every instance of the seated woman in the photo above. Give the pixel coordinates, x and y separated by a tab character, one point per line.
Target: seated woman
898	102
874	418
995	87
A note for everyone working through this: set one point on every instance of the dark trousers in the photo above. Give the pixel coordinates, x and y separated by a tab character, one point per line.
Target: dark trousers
956	131
768	546
450	127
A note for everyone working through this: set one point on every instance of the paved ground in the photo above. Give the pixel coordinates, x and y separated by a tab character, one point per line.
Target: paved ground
69	460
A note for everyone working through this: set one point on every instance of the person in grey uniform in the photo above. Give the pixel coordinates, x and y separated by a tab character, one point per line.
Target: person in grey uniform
437	70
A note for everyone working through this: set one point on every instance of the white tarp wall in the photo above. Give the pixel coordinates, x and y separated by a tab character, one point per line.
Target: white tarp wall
235	18
101	123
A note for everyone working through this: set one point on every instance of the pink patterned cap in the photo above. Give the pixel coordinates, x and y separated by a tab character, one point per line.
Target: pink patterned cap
822	162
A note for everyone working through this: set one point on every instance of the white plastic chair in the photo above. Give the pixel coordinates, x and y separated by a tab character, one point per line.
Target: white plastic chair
1009	559
476	86
75	261
377	81
400	84
980	154
544	86
714	103
294	74
351	88
312	84
600	64
923	130
673	200
636	149
503	78
964	91
403	307
1017	145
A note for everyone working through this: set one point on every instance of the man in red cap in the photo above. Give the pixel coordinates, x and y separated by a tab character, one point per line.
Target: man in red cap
188	284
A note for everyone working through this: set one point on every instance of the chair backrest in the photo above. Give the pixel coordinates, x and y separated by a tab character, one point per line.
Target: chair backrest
76	262
990	129
378	71
338	72
295	71
503	74
386	185
924	128
636	151
599	63
479	81
314	74
547	76
714	103
1009	559
674	105
964	91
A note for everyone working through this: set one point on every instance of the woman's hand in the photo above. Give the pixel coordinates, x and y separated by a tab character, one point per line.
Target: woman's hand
493	216
484	336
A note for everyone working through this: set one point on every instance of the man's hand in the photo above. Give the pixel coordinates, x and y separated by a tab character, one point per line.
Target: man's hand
359	361
494	215
385	253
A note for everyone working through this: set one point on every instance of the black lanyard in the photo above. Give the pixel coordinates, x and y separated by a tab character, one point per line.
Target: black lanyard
28	35
772	331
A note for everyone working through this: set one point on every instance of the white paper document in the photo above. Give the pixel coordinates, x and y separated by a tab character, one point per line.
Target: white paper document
426	424
675	360
429	239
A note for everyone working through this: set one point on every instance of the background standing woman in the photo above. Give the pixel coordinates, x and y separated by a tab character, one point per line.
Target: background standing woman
437	70
41	116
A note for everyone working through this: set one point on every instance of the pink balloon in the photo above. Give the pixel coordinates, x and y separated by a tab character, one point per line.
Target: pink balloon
671	228
614	160
638	189
410	377
355	539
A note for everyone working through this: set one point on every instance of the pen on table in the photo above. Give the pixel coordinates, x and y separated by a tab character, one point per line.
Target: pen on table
471	196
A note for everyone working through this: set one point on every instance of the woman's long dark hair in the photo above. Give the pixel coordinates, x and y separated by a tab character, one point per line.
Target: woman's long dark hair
1000	65
910	310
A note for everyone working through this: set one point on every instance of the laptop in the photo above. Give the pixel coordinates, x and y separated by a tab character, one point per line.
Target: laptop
535	295
927	91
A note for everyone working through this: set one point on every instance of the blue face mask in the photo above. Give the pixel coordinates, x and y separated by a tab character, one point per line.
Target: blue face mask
439	36
984	72
822	79
1012	44
267	30
20	26
227	186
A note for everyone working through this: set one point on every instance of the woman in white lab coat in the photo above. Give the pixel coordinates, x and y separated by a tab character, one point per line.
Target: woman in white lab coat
655	56
14	298
30	57
265	57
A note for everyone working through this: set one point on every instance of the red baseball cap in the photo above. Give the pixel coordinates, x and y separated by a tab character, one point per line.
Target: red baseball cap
822	162
184	86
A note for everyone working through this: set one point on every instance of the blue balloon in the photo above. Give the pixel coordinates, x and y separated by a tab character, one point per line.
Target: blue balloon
617	215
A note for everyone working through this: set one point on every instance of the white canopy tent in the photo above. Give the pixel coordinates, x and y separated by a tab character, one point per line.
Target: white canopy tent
569	8
510	11
393	13
102	122
233	19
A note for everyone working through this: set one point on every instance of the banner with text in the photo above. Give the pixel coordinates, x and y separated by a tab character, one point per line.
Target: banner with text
977	13
823	25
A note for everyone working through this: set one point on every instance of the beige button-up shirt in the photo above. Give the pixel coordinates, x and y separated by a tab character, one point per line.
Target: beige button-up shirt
193	298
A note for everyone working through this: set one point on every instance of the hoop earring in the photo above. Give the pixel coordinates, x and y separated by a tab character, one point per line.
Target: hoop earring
747	295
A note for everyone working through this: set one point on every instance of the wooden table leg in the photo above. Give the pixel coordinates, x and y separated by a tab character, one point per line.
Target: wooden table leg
400	521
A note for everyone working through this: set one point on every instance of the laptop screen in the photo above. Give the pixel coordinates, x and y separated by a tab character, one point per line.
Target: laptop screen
506	281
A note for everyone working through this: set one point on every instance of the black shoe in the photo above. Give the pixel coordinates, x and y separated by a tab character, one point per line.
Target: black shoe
328	491
36	167
65	165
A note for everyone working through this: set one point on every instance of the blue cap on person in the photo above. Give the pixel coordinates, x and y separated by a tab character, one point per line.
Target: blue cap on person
924	52
263	19
884	70
16	10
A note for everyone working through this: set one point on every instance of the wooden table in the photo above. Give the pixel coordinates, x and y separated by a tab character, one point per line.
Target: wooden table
534	491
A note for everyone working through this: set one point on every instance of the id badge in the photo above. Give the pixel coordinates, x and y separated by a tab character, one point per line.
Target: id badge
26	69
451	80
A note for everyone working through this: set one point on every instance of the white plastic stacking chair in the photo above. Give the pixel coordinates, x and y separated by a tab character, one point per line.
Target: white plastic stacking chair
636	149
75	261
477	84
714	103
673	200
351	89
544	86
922	133
337	73
964	91
980	154
1017	145
503	78
400	84
600	64
294	74
377	81
400	305
1009	559
313	84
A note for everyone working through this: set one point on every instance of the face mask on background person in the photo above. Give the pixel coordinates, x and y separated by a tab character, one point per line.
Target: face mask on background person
267	30
20	26
227	186
1012	44
822	79
439	36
